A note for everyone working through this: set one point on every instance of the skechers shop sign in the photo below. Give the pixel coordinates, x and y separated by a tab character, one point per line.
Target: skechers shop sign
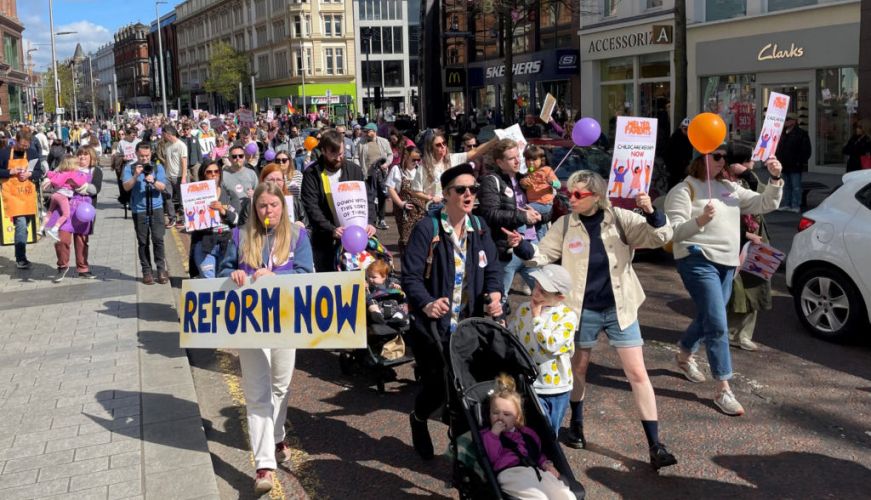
519	69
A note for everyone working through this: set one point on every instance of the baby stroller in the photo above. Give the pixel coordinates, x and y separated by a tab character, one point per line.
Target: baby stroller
481	349
385	341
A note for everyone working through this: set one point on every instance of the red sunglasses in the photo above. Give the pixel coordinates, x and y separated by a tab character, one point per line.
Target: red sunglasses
580	196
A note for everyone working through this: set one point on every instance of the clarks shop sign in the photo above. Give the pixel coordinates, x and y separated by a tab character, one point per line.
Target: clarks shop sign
773	51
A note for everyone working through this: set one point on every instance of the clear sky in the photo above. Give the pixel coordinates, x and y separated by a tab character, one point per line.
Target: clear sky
95	22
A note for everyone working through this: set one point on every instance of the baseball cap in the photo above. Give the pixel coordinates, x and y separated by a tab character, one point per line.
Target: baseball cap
371	126
685	122
553	278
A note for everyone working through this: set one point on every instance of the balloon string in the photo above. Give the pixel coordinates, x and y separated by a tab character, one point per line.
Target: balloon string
564	159
708	168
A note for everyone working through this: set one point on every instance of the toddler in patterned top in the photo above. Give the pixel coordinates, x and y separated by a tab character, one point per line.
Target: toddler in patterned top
546	328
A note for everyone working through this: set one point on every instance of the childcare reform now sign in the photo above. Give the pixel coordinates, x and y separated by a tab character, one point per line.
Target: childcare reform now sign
302	311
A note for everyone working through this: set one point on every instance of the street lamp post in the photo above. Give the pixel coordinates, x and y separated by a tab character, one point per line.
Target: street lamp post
160	59
75	100
54	69
367	34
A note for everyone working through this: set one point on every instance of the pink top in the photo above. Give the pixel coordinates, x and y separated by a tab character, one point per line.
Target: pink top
61	179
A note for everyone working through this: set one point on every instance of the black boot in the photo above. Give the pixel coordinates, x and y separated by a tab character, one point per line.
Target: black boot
660	457
420	437
575	437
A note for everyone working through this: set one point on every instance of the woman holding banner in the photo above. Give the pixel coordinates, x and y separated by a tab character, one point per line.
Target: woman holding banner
209	247
268	244
705	211
75	231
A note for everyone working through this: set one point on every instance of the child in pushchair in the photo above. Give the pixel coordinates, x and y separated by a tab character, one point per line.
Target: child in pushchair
514	450
387	316
481	351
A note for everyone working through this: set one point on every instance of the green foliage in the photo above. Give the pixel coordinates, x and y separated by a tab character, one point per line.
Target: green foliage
66	87
227	68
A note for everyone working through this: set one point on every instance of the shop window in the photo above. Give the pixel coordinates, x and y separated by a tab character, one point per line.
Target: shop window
775	5
372	74
616	101
734	98
393	74
837	103
609	7
654	4
655	65
716	10
617	69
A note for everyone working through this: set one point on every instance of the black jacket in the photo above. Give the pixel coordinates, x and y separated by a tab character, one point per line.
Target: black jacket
794	150
498	207
856	147
320	214
483	272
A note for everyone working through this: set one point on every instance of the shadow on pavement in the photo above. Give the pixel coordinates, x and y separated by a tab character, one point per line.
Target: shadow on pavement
145	310
784	475
362	470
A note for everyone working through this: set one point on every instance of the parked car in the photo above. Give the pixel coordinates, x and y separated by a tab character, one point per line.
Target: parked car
828	269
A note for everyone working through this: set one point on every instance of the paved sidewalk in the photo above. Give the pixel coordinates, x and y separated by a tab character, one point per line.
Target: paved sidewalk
96	398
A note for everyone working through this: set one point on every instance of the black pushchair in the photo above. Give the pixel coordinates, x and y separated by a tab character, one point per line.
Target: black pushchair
385	341
480	350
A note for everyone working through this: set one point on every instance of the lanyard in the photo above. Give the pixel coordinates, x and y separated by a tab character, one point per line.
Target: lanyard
328	191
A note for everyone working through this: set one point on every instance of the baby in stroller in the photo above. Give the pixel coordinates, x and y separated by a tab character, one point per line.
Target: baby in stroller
514	450
383	296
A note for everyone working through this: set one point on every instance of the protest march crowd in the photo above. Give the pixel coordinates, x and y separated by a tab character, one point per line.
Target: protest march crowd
263	195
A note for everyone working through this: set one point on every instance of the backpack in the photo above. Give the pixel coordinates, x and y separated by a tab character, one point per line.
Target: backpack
436	238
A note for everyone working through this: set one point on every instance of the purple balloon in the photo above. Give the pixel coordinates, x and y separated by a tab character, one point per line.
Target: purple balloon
586	132
85	213
269	155
251	148
355	239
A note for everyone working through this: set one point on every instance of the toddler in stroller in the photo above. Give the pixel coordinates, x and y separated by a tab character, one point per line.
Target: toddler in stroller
386	316
514	450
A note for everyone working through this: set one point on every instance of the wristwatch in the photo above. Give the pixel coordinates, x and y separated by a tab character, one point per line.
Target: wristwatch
775	177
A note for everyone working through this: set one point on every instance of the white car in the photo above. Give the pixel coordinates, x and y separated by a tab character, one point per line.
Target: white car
828	270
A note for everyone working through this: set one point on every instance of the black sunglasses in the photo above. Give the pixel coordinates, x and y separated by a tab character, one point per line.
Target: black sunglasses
718	156
237	156
282	160
461	190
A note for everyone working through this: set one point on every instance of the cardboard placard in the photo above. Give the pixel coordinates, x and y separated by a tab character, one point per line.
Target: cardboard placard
772	127
547	108
632	162
351	203
513	132
760	260
196	197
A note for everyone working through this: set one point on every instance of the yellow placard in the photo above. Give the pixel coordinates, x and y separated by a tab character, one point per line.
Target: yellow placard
302	311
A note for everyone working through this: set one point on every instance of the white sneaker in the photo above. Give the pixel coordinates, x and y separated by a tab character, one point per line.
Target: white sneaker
726	401
690	369
53	232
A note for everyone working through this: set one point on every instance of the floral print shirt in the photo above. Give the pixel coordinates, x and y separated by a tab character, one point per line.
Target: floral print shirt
459	299
550	340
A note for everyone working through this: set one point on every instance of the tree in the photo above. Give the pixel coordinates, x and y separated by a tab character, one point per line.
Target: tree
66	87
227	68
513	15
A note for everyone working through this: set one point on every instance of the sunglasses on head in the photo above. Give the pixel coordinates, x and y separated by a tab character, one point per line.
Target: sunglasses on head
718	156
461	190
237	156
579	195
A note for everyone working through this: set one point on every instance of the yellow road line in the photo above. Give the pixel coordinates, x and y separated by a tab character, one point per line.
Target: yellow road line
181	251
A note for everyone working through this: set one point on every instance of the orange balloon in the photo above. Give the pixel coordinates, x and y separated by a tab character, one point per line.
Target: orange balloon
310	143
707	132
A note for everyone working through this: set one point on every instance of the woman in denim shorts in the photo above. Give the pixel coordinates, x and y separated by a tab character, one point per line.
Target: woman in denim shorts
595	243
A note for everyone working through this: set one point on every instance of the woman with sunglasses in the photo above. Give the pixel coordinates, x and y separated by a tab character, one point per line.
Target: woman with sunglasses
273	173
450	272
268	244
209	247
406	207
221	148
595	242
436	160
292	176
706	228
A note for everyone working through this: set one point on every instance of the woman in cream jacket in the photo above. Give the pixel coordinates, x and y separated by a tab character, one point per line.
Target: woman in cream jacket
596	243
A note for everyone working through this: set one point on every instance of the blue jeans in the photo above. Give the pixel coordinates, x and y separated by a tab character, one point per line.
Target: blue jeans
555	406
208	262
593	322
710	286
20	237
791	190
511	267
544	210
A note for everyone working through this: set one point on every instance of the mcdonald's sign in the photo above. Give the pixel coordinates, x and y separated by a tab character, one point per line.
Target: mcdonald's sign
455	77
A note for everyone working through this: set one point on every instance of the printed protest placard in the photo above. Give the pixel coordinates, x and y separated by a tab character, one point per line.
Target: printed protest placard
246	117
302	311
547	108
216	124
270	115
772	127
351	203
513	132
173	114
632	164
760	260
196	198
